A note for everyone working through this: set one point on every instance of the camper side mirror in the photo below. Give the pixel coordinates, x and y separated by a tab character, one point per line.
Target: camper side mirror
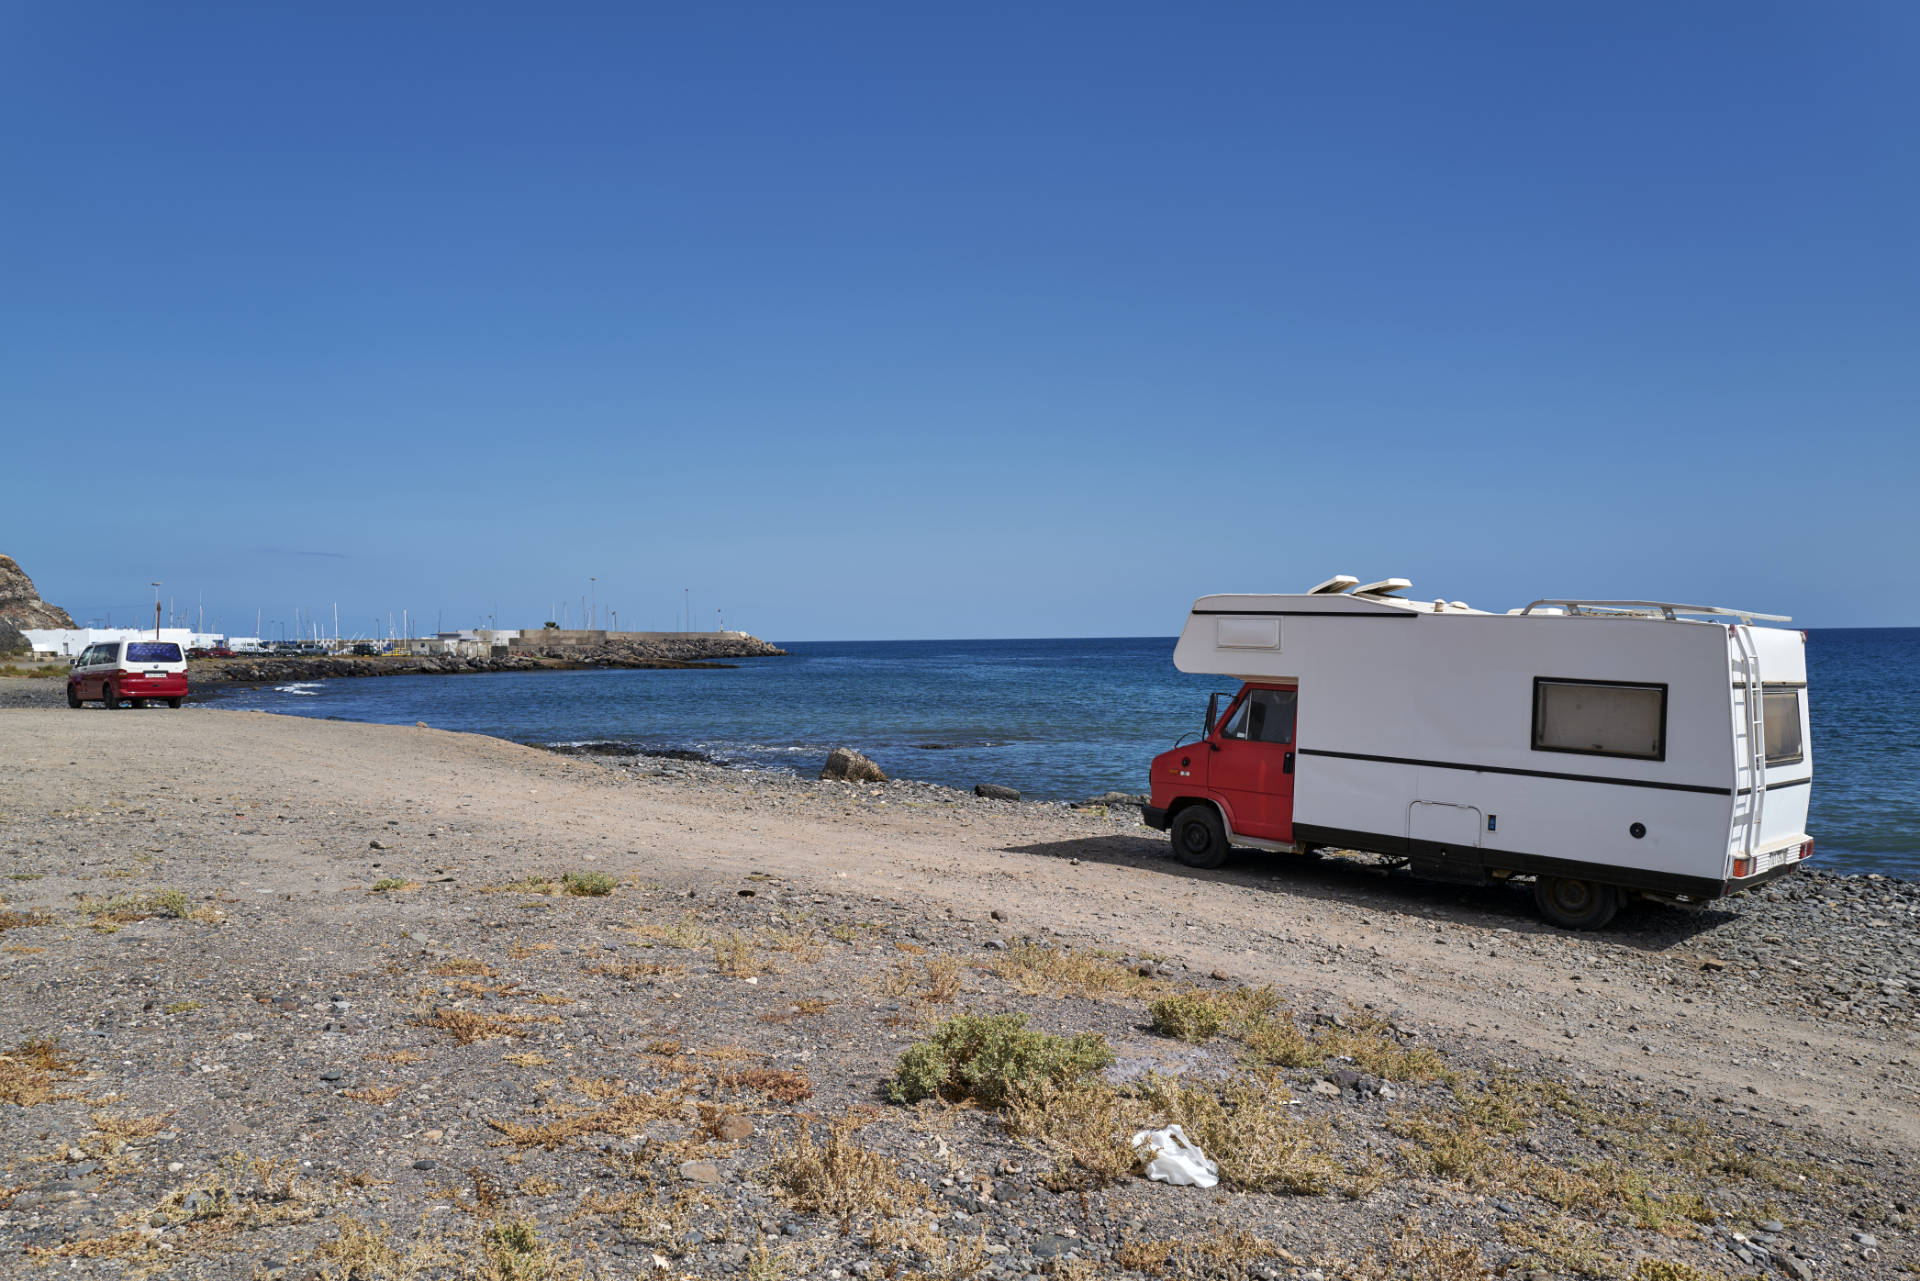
1213	714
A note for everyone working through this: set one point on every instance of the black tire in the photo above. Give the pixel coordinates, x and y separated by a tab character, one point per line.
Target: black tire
175	702
1574	904
1198	838
73	697
108	699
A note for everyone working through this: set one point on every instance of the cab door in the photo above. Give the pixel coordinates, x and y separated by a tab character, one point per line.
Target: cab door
1252	768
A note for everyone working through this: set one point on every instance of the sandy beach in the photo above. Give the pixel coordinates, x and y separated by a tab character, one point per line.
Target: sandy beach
373	980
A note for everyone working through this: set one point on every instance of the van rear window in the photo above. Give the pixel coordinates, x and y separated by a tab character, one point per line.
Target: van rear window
152	652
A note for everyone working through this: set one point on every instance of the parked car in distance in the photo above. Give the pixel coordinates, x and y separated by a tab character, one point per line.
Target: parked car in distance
209	651
112	672
365	650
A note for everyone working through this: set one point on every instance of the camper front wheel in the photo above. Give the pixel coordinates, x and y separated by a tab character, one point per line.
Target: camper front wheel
1575	905
1198	837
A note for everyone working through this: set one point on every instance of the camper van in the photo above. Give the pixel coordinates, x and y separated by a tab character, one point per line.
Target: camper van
1605	749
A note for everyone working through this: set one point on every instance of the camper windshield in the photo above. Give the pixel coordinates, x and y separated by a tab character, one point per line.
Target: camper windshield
1263	716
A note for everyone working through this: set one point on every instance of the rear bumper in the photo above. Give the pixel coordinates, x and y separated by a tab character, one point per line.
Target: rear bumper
174	686
1153	817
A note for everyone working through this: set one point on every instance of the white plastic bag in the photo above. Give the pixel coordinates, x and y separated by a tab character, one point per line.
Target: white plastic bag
1176	1159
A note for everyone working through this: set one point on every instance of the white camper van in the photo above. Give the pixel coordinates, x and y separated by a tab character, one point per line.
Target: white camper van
1603	748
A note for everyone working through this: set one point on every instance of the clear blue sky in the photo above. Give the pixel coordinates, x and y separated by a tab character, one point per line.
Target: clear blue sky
900	320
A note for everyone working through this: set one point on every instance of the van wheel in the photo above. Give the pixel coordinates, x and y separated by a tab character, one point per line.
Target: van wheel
73	697
175	702
1575	905
108	699
1198	838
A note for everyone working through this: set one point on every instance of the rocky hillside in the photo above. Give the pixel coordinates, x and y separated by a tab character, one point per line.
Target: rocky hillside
20	602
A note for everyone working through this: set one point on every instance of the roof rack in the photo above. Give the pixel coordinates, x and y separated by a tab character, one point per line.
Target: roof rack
1651	609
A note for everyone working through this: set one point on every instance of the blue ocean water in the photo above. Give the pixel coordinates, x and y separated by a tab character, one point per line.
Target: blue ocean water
1066	719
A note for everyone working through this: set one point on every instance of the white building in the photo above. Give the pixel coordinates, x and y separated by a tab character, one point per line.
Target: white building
65	642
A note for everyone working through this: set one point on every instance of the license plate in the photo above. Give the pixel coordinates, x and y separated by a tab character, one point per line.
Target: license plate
156	673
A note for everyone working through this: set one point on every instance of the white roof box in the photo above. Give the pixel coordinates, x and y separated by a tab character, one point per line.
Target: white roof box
1385	587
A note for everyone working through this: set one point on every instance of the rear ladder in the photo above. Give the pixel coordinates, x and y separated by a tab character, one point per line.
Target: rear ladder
1751	723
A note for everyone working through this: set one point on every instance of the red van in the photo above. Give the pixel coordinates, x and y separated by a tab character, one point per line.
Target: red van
112	672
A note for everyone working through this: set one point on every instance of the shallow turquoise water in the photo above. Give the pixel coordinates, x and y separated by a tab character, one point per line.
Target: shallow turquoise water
1065	719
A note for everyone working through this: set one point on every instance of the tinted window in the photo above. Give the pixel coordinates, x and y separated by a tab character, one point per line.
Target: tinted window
1600	719
1263	716
152	652
1780	714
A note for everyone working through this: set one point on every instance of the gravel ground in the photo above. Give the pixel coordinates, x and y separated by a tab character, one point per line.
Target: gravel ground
360	1043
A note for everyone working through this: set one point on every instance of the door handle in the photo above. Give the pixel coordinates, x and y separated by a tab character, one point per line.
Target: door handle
1287	765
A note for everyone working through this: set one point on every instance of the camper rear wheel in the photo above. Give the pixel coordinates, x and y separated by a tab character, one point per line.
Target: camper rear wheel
175	702
1198	837
1575	905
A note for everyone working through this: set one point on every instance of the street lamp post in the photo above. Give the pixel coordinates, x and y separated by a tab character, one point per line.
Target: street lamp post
156	611
593	618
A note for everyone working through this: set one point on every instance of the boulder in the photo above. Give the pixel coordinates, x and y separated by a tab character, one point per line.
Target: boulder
12	640
845	763
995	792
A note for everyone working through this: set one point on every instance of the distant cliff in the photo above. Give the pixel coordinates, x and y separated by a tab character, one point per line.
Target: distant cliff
20	602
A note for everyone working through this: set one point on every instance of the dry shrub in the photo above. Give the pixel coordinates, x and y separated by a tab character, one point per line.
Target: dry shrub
798	1010
1449	1147
1230	1254
1428	1257
623	1114
373	1093
1085	1125
526	1059
111	1133
1563	1245
30	1072
991	1059
521	951
839	1177
686	934
1245	1126
632	971
401	1057
933	978
779	1084
360	1252
511	1250
468	1026
546	998
1059	971
1187	1016
1373	1045
734	956
243	1194
802	945
464	967
23	920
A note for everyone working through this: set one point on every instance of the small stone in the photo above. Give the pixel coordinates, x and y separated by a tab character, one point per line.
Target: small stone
1864	1238
332	1075
376	845
1712	963
1221	976
1773	1225
733	1127
700	1172
1326	1088
425	1163
997	914
996	792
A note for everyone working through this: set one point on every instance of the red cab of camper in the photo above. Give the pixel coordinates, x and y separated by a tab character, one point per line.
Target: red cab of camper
1243	763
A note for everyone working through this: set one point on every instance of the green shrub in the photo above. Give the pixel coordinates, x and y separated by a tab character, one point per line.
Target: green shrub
1187	1016
994	1059
588	884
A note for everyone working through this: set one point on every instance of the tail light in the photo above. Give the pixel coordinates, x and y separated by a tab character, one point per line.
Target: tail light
1741	866
1806	849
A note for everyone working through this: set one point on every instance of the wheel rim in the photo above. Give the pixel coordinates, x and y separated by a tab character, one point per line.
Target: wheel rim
1194	838
1572	897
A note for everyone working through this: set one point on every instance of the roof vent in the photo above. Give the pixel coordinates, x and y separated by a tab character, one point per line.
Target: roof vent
1333	586
1385	587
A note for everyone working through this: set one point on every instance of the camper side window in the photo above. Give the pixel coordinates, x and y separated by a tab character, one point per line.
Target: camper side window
1600	718
1780	714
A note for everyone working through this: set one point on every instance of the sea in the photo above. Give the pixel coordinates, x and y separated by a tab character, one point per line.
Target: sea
1064	719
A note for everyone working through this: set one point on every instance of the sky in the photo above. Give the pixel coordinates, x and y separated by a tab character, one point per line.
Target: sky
892	321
